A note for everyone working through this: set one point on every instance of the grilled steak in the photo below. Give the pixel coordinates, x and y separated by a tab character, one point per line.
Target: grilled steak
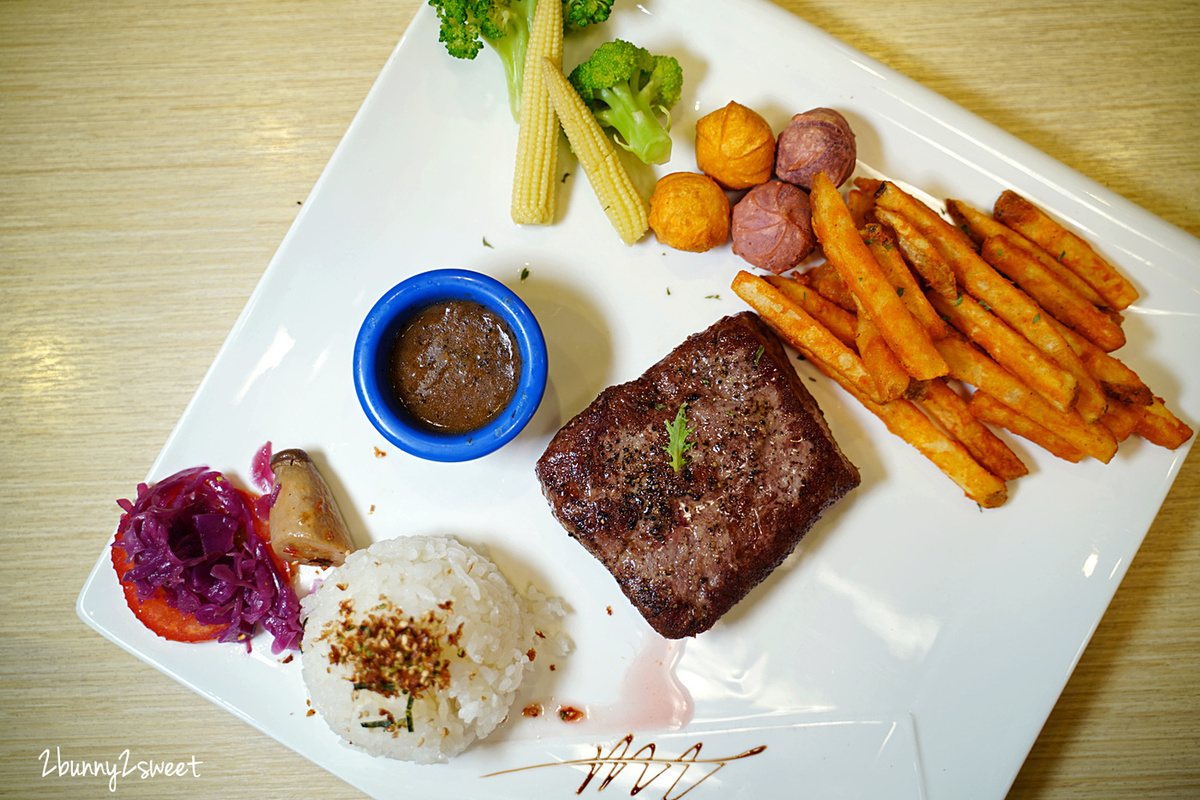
687	545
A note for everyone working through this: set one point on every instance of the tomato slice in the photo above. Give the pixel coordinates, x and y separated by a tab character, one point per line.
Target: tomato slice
156	613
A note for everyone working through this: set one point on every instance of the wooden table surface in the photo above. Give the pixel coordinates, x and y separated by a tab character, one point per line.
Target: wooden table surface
154	154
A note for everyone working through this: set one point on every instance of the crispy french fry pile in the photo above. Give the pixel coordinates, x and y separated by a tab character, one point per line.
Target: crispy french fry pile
948	331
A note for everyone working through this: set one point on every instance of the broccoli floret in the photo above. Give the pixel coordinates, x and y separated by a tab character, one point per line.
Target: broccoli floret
627	89
578	14
466	25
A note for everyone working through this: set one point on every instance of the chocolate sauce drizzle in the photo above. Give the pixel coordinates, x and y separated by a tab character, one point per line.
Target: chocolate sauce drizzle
652	766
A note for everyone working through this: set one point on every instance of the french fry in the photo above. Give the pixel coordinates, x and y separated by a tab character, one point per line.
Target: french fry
1160	426
840	322
990	410
861	206
921	253
1115	378
972	366
950	410
883	246
799	329
867	186
1122	418
825	280
1092	401
891	197
844	247
1036	225
1064	303
891	381
1009	349
987	285
979	225
905	420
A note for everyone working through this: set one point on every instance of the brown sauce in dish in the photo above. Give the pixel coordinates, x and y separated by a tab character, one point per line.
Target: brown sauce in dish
454	366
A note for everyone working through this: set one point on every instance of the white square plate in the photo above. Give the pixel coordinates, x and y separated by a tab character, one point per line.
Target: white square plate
911	647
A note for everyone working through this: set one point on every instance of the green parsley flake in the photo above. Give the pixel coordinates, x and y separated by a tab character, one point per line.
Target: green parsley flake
677	434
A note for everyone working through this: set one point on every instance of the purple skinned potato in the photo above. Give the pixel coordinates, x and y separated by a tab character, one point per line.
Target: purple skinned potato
819	140
772	226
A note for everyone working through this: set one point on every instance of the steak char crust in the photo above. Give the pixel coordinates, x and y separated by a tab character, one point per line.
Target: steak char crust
763	466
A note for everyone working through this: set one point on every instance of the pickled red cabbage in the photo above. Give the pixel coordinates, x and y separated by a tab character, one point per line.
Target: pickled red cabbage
193	539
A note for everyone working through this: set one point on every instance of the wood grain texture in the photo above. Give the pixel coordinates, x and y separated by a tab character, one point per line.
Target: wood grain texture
152	157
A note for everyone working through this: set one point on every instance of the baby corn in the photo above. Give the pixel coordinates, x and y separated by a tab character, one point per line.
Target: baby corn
627	210
534	181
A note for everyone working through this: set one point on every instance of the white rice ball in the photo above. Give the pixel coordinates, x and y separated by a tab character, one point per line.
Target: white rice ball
420	631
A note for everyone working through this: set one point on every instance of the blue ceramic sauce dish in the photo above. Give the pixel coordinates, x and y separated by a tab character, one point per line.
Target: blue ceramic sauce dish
374	353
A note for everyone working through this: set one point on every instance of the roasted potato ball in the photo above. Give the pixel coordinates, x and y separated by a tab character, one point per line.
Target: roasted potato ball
818	140
689	211
772	226
735	146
